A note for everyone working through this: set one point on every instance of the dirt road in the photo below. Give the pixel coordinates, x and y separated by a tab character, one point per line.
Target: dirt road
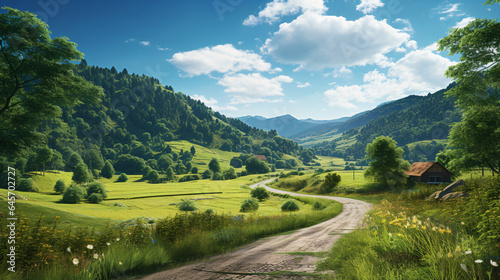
269	254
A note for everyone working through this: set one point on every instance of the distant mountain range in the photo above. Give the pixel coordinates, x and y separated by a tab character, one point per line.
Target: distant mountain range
308	132
287	125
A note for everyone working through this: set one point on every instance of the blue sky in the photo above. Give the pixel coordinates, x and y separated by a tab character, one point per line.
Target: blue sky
309	58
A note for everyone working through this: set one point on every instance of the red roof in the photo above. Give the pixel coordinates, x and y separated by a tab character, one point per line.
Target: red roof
419	168
261	157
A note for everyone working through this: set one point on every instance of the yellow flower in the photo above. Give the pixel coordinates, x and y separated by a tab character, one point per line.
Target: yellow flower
450	255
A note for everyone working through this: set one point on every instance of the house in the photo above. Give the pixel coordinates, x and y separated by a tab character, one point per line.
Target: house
261	157
429	172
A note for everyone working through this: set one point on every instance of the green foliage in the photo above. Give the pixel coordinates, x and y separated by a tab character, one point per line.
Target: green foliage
37	78
60	186
331	181
73	194
214	165
387	166
260	193
194	170
318	206
189	178
170	174
95	198
207	174
153	177
230	174
236	162
254	165
122	178
249	205
107	171
81	174
217	176
26	185
290	206
96	188
187	205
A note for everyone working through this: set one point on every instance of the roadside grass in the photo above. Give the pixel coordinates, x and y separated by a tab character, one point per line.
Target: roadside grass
117	252
406	237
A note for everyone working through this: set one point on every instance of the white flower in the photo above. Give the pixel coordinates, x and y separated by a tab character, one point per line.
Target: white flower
96	256
75	261
463	267
120	263
479	261
69	249
495	264
118	239
390	234
108	243
90	247
468	252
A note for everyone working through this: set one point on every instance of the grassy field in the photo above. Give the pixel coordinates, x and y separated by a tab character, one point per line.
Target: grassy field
122	206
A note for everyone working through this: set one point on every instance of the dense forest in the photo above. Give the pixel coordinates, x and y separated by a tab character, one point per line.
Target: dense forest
132	125
424	118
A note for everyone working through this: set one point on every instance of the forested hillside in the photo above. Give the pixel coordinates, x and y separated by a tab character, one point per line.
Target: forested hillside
411	119
133	124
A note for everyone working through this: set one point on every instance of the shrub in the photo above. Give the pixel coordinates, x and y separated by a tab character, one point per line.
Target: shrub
209	212
318	206
95	198
122	178
249	205
26	185
194	170
189	178
107	171
187	205
331	181
96	188
260	193
289	206
217	176
73	194
60	186
207	174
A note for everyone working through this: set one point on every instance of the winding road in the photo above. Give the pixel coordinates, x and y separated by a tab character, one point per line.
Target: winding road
267	255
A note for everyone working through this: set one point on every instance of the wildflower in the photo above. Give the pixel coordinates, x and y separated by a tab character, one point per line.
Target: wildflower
107	243
96	256
479	261
390	234
75	261
120	263
468	252
69	250
495	264
423	227
118	239
463	267
450	255
90	247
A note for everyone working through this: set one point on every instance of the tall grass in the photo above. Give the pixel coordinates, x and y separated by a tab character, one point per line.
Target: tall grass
407	237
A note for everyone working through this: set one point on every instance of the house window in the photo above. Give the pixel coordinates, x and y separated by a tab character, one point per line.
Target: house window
435	179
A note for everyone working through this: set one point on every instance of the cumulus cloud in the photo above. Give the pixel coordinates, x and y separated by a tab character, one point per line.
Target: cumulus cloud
220	58
211	102
252	88
316	41
418	72
301	85
463	23
408	28
276	9
368	6
144	43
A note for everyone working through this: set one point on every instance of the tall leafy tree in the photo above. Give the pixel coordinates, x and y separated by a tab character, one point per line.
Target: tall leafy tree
107	171
81	174
387	166
36	77
214	165
44	156
476	139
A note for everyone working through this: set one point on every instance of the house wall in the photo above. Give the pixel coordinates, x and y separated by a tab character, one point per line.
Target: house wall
445	176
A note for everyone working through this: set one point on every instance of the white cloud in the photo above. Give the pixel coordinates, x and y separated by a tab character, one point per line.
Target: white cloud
162	49
276	9
408	28
130	40
212	103
220	58
432	47
368	6
463	23
412	44
418	72
253	87
450	8
301	85
144	43
317	41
